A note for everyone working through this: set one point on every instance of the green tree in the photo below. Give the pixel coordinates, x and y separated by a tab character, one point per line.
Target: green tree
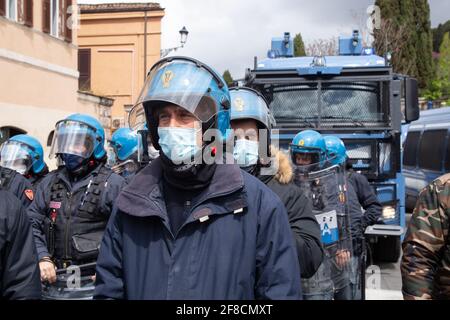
443	65
438	34
406	33
423	42
299	46
227	77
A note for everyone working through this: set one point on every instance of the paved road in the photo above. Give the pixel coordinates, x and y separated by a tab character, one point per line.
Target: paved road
384	282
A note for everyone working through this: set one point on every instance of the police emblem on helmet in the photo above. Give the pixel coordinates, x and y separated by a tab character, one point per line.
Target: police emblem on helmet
239	103
301	143
166	78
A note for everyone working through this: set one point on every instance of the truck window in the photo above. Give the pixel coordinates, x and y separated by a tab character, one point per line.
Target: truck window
410	154
447	157
431	150
334	103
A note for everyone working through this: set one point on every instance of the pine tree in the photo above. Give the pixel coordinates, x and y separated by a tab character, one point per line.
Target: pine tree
423	43
406	33
299	46
438	34
227	77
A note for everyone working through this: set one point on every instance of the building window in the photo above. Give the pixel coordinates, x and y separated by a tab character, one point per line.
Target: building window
54	18
50	138
8	132
84	67
11	9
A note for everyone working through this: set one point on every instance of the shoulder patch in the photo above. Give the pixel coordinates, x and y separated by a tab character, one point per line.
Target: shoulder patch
30	194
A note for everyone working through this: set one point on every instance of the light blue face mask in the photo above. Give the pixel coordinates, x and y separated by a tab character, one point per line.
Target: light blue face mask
178	144
246	152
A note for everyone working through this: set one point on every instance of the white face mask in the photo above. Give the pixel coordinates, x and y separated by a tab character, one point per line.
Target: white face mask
178	144
246	152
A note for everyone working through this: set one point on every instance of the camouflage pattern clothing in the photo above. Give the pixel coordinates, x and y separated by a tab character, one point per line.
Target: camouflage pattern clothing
425	264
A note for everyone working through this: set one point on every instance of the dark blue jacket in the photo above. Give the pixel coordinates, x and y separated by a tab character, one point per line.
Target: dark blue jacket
19	271
39	210
366	198
235	244
18	185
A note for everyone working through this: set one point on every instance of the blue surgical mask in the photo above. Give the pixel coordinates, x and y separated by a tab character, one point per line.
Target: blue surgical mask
71	161
178	144
246	152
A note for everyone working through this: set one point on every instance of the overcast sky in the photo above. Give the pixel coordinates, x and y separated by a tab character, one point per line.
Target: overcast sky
227	34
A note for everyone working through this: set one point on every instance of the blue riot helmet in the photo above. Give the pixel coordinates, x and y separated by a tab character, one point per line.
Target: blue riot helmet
147	151
336	151
124	143
247	103
189	84
78	136
23	154
309	143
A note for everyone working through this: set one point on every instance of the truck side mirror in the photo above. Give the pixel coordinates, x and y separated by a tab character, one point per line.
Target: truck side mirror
412	110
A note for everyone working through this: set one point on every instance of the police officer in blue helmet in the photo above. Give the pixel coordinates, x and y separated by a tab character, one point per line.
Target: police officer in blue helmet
308	150
364	191
194	229
324	183
252	121
73	203
10	178
123	152
24	154
364	207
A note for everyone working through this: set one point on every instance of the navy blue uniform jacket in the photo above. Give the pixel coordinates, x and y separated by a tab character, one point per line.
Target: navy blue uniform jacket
235	244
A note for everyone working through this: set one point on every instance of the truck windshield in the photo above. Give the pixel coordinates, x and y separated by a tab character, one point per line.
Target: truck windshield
328	104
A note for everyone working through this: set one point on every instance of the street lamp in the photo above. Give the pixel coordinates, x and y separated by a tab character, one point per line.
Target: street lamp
183	38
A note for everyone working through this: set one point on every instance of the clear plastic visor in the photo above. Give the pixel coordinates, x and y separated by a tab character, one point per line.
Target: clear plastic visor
15	156
184	84
74	138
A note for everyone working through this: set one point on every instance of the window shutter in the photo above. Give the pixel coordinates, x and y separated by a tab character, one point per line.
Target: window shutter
46	16
28	13
2	7
68	24
84	67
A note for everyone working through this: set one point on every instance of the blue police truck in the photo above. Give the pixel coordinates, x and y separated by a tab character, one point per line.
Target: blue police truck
357	97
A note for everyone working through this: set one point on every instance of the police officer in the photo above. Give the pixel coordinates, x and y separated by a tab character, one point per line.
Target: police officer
364	209
19	272
24	154
250	116
74	202
324	185
14	182
123	152
194	229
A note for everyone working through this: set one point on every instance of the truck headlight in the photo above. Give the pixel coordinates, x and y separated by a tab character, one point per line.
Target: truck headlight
388	212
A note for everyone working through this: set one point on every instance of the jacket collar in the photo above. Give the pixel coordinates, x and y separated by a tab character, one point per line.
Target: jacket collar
63	175
143	196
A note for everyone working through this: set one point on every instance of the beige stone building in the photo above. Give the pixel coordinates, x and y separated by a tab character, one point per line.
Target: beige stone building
118	43
39	70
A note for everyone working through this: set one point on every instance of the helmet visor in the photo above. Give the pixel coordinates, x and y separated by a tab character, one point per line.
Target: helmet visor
72	137
16	156
183	83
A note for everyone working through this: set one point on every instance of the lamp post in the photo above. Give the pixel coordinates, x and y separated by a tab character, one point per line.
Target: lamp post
183	38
